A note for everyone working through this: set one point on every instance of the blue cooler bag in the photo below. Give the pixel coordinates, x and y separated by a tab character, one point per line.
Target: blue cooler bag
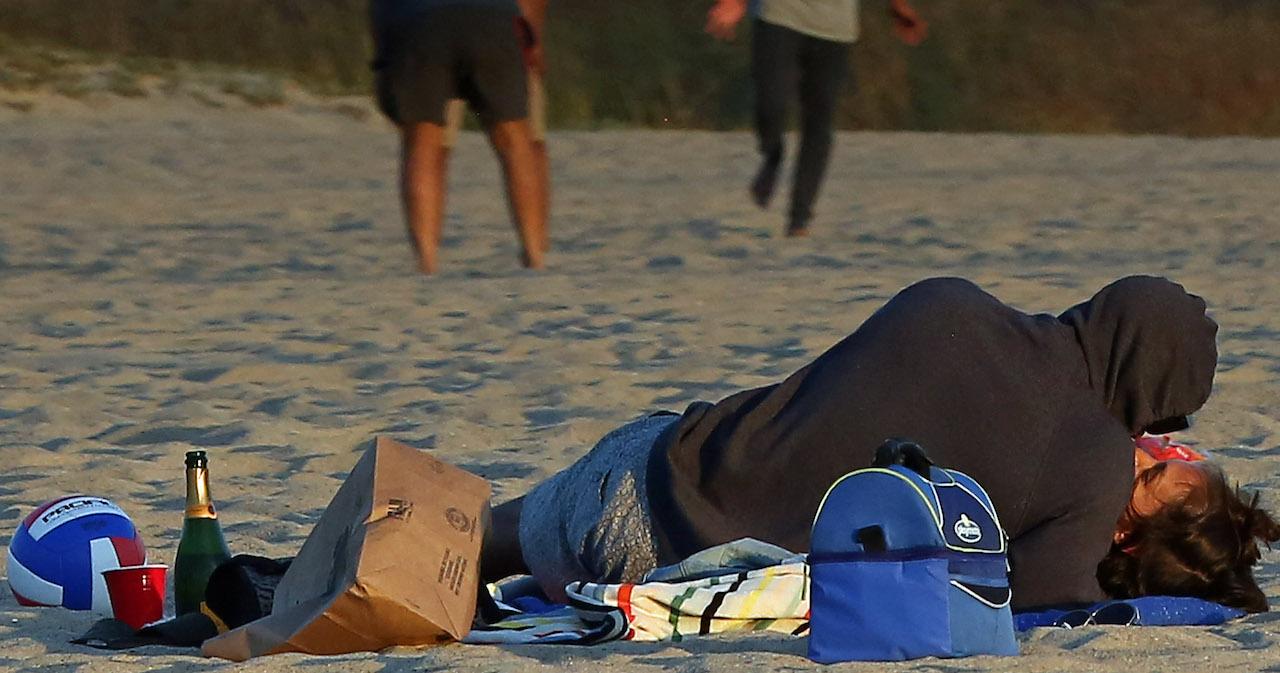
908	560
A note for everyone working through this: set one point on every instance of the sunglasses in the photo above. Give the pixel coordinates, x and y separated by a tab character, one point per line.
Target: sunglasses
1111	614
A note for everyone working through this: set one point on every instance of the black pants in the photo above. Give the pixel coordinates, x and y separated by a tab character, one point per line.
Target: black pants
782	62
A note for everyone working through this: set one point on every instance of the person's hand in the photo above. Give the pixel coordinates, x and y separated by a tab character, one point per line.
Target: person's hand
723	18
1142	461
530	45
535	59
907	24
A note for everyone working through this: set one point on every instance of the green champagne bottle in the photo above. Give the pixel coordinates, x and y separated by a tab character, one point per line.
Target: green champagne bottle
202	547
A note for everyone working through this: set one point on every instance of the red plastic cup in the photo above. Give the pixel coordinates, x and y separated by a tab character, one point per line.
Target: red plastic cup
137	593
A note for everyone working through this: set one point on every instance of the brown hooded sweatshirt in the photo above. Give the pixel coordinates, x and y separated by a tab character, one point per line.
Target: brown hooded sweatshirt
1041	410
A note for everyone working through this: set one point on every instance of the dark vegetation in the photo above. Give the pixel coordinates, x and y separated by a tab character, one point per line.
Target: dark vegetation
1196	67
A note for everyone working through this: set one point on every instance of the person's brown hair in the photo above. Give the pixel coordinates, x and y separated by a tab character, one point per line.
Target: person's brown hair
1194	548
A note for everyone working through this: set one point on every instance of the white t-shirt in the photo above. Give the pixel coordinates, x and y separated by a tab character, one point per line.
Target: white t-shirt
835	20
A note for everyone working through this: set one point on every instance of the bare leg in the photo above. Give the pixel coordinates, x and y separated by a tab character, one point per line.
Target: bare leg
513	141
423	162
443	185
500	554
544	189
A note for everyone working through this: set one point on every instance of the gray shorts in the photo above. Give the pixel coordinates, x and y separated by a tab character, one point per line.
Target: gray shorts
591	522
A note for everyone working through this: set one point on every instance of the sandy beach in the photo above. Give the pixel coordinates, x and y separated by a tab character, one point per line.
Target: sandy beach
180	276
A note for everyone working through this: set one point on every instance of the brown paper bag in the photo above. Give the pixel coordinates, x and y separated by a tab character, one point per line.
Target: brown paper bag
394	560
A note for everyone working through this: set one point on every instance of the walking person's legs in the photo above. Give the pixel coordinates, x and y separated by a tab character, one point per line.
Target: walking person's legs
513	142
538	123
494	80
774	65
824	65
414	83
453	120
423	168
426	58
543	163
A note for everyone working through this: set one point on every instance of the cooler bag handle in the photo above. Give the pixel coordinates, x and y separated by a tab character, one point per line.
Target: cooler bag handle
904	452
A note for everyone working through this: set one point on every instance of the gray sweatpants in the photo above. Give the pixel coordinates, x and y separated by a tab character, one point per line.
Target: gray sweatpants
591	522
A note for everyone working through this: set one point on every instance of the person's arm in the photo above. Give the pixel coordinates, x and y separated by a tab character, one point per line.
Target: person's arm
1055	564
1142	460
908	25
1069	524
723	18
535	12
535	16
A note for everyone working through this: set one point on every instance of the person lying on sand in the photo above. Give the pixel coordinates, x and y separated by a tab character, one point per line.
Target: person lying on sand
1043	411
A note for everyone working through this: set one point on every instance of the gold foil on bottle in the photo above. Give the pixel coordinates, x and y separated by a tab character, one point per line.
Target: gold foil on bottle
199	503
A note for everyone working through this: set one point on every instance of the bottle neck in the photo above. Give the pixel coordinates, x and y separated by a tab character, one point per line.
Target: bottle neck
199	503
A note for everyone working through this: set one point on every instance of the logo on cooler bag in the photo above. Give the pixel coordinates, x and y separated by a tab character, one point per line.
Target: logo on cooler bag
967	530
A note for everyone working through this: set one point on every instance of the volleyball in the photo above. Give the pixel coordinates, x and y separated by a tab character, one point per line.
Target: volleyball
59	551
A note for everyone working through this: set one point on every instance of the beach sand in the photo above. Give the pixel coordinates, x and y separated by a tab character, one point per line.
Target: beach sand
179	276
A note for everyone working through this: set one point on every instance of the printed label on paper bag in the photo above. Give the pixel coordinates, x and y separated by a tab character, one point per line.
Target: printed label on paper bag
458	520
453	569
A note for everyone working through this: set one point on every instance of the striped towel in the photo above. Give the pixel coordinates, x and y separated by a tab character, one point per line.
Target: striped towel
774	598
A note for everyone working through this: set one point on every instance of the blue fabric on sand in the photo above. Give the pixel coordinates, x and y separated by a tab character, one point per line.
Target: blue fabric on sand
1150	611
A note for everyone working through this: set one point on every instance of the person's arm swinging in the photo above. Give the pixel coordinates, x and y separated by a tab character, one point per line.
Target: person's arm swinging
724	17
908	25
